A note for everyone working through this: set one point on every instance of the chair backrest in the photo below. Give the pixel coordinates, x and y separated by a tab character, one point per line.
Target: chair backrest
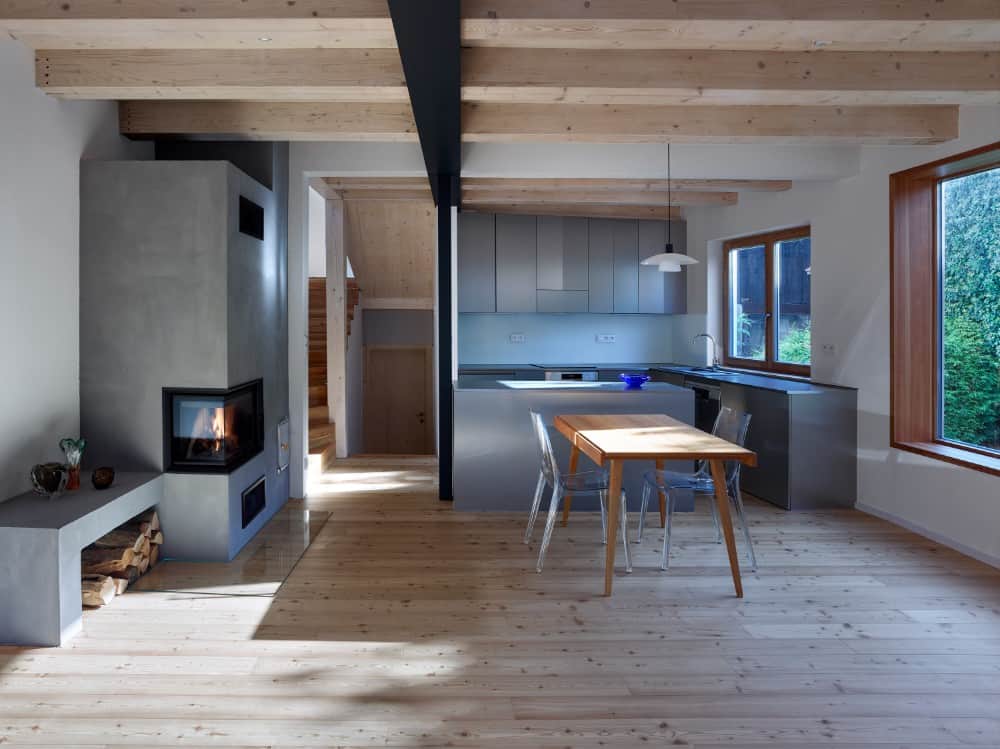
550	468
732	426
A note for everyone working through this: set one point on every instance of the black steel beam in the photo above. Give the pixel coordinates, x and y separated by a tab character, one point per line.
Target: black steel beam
429	40
428	34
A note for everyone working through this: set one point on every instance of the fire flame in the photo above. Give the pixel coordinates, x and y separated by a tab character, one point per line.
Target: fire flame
218	428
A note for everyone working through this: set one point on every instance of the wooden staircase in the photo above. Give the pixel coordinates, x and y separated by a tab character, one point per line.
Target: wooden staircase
322	436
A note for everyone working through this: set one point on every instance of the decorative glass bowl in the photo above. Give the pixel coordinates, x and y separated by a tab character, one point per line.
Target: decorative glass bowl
634	381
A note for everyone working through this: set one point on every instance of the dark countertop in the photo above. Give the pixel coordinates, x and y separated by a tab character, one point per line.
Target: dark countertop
580	387
745	379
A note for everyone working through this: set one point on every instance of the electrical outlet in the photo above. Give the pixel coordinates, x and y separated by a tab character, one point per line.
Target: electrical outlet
829	349
517	338
605	338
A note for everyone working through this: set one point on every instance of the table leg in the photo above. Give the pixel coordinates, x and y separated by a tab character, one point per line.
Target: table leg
663	499
574	461
722	501
614	503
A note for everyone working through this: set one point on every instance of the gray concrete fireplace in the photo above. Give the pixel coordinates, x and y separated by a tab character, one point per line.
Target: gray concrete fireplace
183	365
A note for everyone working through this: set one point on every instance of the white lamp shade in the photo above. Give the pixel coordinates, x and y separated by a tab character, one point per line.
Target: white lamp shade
669	262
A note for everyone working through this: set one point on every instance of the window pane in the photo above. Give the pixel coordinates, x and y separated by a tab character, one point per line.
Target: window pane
792	271
747	302
970	309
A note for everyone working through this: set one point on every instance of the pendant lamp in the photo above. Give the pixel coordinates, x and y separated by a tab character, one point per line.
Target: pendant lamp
669	261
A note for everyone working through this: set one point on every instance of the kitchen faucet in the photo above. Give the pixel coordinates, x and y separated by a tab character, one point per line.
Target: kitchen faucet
715	348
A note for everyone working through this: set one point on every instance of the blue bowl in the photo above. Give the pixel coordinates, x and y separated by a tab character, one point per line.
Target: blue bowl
634	381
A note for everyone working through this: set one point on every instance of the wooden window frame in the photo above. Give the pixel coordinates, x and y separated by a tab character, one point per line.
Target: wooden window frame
914	302
770	363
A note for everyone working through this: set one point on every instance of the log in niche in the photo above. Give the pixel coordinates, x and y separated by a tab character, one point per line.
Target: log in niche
117	559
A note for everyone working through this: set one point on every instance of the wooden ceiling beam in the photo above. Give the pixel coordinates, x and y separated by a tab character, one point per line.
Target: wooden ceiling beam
524	123
727	77
206	24
387	194
569	184
279	74
753	24
344	121
357	184
605	197
660	213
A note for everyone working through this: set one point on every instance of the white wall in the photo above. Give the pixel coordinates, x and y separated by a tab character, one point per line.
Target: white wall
317	234
850	303
564	339
42	141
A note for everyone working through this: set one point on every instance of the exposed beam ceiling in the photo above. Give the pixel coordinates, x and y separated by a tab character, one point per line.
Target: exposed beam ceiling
347	121
344	121
565	184
373	75
584	197
357	184
575	209
741	25
729	77
603	71
521	123
205	24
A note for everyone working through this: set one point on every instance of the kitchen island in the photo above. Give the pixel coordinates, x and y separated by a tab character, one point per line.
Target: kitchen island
497	457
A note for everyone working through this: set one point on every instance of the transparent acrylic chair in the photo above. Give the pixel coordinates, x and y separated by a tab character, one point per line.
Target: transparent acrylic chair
584	482
731	426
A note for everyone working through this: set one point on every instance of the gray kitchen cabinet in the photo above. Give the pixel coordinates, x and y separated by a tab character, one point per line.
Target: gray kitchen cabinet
563	300
661	293
477	263
516	248
562	254
806	445
652	237
625	236
675	284
600	290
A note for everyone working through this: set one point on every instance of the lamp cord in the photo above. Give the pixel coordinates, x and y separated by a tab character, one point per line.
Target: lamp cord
669	201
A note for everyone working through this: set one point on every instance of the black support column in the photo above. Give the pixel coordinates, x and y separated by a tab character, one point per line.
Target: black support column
429	38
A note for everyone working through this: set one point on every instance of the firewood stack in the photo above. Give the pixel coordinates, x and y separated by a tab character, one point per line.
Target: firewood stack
117	559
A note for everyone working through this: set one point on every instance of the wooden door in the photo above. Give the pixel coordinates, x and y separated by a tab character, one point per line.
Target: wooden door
398	413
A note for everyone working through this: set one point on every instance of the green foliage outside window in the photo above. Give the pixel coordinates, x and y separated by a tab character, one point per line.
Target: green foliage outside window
971	309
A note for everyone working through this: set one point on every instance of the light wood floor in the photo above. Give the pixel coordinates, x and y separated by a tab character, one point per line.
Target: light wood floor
406	624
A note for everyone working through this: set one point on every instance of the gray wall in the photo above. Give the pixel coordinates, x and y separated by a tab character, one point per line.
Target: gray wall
43	141
399	327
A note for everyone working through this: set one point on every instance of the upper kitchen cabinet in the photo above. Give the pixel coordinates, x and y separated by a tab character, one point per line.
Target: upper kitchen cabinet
562	253
602	262
516	252
477	263
563	268
661	293
625	237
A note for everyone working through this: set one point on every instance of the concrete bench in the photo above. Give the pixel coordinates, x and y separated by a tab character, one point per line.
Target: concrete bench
40	545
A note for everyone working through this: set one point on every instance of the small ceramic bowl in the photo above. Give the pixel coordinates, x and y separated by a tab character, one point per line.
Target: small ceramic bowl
634	381
103	477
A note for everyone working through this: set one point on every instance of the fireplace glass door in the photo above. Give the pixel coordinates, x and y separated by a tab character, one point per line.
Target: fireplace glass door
212	431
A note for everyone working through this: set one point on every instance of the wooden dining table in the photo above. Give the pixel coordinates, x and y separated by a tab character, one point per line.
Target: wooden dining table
611	439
